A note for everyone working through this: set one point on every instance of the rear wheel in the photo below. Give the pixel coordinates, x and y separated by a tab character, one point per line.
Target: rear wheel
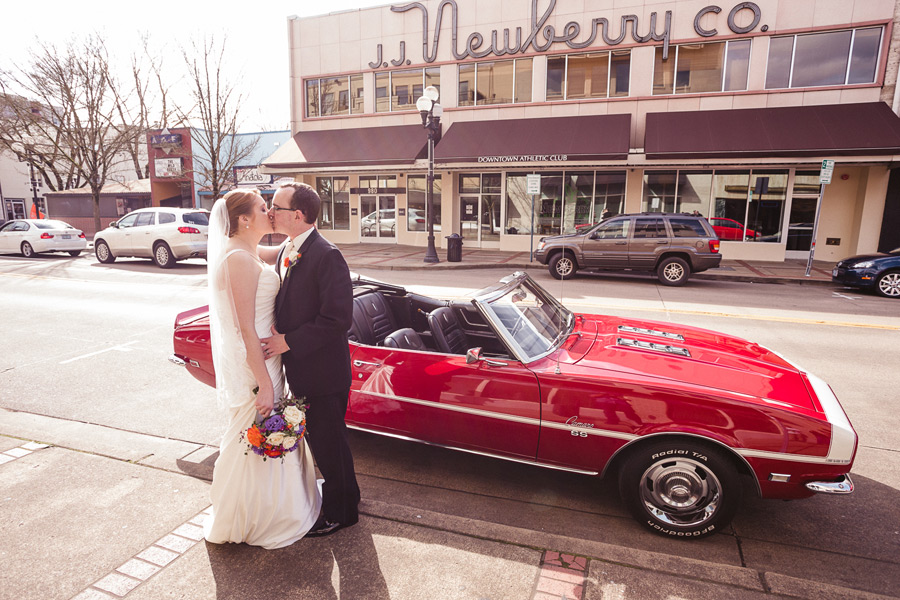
162	256
104	254
563	266
680	489
27	250
888	285
74	252
673	271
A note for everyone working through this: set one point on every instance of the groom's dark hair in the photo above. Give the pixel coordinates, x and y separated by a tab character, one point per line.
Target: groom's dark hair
305	199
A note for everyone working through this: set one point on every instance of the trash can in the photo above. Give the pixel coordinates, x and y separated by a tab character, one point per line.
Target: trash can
454	248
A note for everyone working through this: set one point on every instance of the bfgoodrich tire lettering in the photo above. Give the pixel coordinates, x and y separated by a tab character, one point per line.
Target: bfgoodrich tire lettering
680	489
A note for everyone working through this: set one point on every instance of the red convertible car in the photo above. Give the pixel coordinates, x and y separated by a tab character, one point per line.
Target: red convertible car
678	414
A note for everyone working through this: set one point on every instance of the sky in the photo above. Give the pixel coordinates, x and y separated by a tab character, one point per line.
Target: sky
256	38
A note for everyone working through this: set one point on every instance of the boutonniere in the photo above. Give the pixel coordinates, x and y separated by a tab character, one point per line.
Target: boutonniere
292	259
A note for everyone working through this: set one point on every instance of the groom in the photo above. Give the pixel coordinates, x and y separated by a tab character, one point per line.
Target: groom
313	311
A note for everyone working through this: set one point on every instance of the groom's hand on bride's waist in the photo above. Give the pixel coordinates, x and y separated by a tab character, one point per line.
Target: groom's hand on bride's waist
274	344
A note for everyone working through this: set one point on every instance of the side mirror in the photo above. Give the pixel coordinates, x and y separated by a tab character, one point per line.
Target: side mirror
473	355
114	224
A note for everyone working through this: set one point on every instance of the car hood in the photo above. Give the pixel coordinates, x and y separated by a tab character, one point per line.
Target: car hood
863	258
688	355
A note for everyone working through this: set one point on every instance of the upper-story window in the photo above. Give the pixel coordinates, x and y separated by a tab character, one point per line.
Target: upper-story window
334	96
399	90
702	68
591	75
495	82
824	59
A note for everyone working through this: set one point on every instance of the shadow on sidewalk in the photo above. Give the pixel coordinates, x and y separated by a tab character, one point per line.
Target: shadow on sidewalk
305	569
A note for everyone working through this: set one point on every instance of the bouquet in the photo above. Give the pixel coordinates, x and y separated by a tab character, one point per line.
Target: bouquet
280	432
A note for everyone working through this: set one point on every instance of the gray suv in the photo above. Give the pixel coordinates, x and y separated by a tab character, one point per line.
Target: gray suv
671	245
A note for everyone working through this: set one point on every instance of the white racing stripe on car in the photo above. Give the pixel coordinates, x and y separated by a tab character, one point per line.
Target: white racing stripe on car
746	453
843	438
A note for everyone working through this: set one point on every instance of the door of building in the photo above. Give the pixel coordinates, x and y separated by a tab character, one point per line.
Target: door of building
800	226
479	220
379	219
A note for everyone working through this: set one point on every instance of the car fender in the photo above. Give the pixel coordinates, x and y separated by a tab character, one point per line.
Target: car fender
569	248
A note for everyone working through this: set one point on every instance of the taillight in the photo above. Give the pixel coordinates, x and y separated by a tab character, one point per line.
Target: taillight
420	220
46	236
714	246
81	235
188	230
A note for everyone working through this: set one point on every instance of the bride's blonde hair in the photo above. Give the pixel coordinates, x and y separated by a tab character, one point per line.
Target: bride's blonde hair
237	203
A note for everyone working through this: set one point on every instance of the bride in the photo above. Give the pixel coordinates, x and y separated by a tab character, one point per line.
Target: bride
270	503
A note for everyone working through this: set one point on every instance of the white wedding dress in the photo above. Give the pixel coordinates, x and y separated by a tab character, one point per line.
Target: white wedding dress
262	503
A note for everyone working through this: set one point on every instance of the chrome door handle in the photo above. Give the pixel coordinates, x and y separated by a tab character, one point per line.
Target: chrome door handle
360	363
621	243
495	363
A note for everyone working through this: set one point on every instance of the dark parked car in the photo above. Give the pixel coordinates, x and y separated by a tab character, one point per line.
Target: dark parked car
671	245
681	416
879	272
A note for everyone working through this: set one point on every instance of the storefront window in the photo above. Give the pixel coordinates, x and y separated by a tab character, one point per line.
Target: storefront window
659	191
591	75
824	59
742	211
765	211
609	194
490	206
702	68
579	196
335	210
694	189
416	202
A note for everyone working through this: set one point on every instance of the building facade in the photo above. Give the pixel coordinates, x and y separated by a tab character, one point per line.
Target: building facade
682	106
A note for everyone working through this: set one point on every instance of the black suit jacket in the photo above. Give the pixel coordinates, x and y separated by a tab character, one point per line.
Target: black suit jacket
314	311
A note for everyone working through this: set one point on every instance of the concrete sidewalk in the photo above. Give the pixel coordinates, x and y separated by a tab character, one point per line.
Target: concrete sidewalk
405	258
95	513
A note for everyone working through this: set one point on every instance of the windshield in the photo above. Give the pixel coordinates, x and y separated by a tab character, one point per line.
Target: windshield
531	320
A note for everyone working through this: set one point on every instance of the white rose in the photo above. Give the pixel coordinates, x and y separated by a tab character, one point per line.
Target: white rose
293	415
288	442
275	438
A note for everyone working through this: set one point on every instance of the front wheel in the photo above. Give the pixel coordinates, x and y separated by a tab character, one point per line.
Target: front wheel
673	271
28	250
888	285
563	266
162	256
680	489
104	254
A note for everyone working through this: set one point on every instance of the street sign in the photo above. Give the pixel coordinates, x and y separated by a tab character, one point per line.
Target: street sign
533	184
826	172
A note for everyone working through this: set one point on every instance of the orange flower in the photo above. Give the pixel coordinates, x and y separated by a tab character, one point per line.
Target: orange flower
255	437
273	452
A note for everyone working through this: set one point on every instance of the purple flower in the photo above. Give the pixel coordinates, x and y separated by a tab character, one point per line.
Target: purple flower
274	423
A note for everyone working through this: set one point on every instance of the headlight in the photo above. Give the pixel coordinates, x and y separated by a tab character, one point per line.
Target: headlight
864	265
541	245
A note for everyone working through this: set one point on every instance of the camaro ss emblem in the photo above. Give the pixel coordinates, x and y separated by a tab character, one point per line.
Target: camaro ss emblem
574	422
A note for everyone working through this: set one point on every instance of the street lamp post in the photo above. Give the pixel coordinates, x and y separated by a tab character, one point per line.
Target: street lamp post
431	120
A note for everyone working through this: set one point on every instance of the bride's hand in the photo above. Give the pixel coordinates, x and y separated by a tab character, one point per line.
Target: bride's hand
265	401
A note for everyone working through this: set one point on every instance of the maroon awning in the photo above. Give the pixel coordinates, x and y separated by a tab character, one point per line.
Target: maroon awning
401	144
604	137
830	130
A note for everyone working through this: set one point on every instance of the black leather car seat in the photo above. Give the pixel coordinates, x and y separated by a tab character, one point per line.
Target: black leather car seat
372	319
405	339
448	336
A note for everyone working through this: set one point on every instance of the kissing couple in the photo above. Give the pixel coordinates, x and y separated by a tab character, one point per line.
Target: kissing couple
273	329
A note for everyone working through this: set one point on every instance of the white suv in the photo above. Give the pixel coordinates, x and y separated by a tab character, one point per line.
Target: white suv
164	234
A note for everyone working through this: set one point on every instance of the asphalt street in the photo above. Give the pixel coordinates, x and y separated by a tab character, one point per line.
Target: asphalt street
131	440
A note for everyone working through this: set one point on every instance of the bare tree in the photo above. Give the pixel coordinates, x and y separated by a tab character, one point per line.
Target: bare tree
216	114
73	131
150	106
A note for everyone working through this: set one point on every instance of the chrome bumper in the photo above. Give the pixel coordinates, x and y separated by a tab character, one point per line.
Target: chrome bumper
844	486
175	359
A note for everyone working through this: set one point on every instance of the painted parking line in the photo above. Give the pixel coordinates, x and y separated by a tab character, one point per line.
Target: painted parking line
23	450
147	563
119	348
561	576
